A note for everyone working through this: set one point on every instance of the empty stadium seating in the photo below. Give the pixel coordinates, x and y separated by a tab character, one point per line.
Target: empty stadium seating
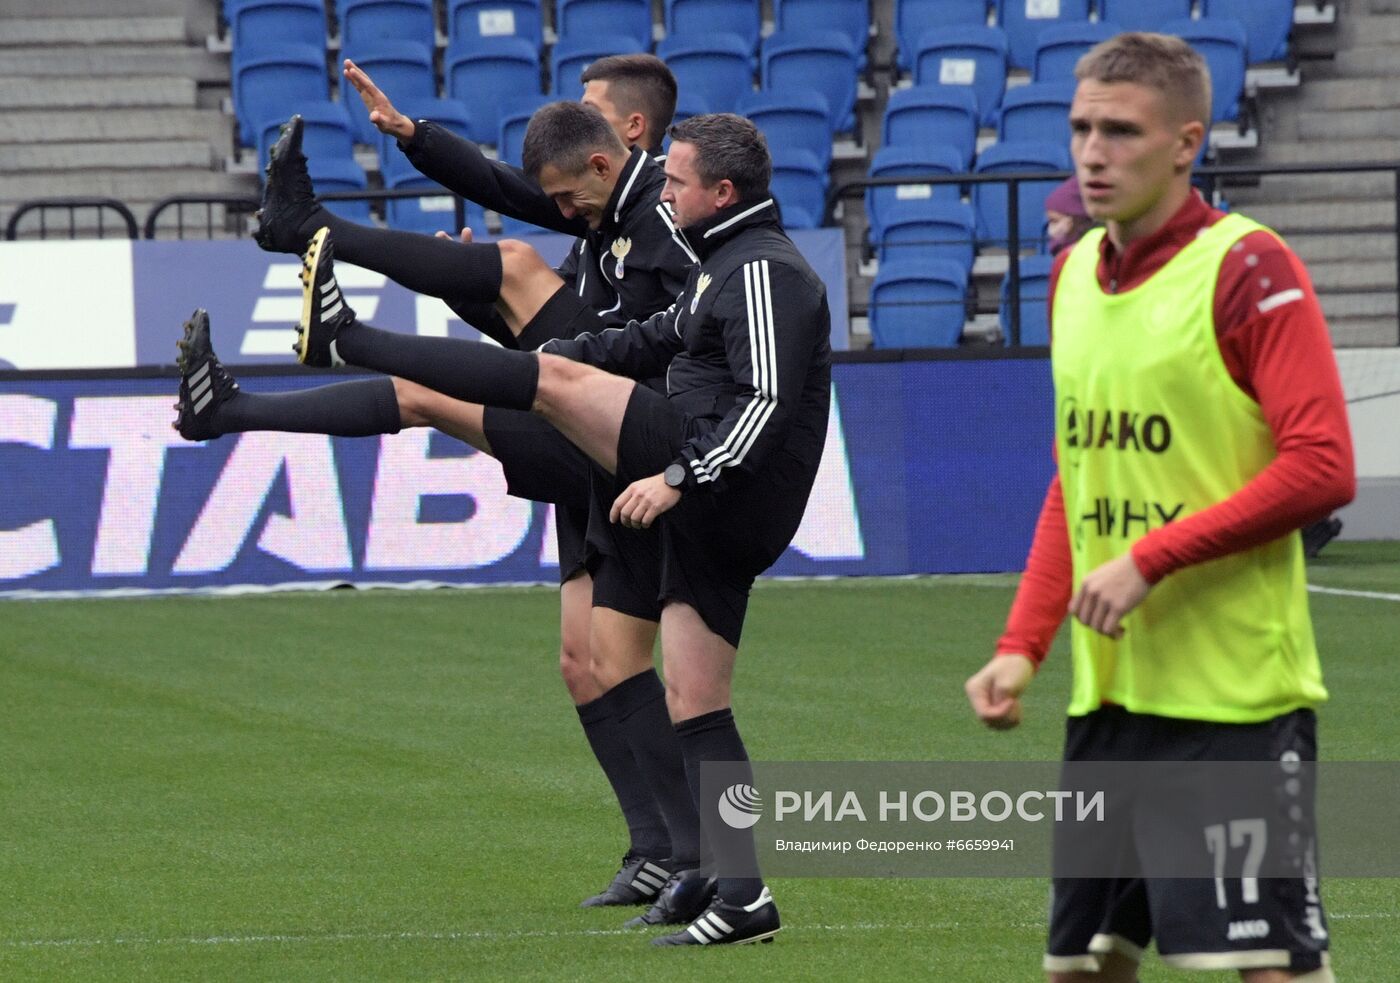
477	70
284	21
970	56
849	18
799	185
913	17
371	21
694	18
923	230
819	61
918	304
1034	275
491	19
1023	21
717	67
932	115
882	203
1060	47
578	19
1143	15
1267	24
800	120
991	199
1039	111
273	81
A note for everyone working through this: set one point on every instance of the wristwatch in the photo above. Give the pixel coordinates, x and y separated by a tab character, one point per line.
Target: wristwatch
674	475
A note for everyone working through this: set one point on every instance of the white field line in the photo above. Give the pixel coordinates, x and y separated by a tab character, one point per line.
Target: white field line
1374	595
509	936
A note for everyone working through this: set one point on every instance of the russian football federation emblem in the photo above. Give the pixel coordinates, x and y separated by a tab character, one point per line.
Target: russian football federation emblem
620	249
700	286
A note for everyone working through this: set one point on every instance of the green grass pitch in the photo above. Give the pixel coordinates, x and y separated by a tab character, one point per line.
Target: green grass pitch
392	785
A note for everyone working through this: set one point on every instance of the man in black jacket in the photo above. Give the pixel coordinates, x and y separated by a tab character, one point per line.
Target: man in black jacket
721	466
627	263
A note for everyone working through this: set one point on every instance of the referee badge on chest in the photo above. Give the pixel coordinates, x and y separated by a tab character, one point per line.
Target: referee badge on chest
700	285
620	249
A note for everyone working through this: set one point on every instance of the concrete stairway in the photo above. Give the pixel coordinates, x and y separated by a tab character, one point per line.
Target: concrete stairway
1343	226
121	105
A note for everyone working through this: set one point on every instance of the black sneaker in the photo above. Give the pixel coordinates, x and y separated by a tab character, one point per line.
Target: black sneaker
323	310
730	924
288	202
204	382
637	882
685	896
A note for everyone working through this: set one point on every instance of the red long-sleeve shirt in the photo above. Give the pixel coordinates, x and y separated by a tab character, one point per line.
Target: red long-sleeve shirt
1274	342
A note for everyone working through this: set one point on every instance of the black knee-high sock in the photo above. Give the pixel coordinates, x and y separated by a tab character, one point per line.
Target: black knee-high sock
645	825
360	408
422	263
714	737
461	369
639	705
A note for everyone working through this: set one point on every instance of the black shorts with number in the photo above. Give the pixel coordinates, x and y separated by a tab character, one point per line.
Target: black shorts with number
705	552
1197	923
541	465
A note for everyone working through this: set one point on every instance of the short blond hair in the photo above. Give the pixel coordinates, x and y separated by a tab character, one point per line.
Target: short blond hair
1158	61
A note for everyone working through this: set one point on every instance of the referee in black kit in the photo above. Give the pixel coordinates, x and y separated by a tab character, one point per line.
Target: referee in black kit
721	466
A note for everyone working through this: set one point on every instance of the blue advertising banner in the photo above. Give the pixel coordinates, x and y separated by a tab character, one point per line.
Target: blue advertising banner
135	295
930	467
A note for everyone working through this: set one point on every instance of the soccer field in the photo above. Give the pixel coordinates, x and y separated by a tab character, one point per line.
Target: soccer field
392	785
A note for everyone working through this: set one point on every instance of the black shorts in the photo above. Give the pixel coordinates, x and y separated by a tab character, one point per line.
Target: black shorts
1197	923
699	551
541	465
563	316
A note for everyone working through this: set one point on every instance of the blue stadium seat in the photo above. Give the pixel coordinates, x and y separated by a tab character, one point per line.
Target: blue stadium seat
922	231
819	61
918	305
800	120
990	200
849	18
971	56
515	113
273	81
913	17
477	70
718	67
428	214
403	69
364	22
1061	46
1023	20
932	115
285	21
1039	111
1143	15
580	19
326	132
572	55
494	19
1223	45
340	174
694	18
687	105
799	184
1034	273
882	204
1267	24
450	114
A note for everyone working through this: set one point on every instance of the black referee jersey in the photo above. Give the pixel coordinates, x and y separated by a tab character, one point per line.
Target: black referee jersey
747	356
631	266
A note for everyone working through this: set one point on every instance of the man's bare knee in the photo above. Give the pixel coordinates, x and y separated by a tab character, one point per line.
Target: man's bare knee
557	376
413	401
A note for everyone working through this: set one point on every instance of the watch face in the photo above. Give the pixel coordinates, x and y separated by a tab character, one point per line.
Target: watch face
674	475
